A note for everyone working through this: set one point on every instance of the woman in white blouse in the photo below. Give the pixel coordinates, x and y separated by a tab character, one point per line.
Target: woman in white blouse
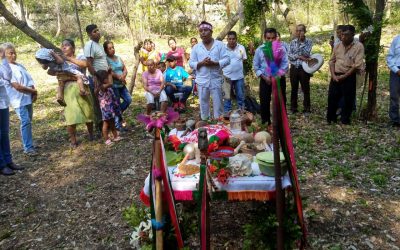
22	94
6	164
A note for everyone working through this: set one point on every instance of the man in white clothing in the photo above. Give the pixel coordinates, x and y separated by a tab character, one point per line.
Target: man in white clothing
208	58
234	76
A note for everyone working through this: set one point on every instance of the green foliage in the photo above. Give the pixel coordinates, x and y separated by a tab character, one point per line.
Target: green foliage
261	232
134	214
363	18
380	179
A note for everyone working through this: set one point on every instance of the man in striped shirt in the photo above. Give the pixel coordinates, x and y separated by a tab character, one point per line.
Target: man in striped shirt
299	51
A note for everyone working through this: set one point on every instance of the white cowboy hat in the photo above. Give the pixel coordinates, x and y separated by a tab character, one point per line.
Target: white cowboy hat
312	65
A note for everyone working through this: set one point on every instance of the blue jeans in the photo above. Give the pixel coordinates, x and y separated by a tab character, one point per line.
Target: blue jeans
122	93
186	90
238	85
394	97
25	116
5	152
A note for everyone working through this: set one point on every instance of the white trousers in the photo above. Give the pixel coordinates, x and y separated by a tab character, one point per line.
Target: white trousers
204	97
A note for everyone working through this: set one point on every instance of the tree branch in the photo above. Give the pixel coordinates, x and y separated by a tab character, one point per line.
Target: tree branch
23	26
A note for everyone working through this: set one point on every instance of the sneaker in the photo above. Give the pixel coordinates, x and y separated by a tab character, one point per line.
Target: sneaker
14	166
6	171
31	152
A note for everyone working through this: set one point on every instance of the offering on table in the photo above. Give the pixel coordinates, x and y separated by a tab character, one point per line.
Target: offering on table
262	139
235	121
265	162
188	169
222	152
240	164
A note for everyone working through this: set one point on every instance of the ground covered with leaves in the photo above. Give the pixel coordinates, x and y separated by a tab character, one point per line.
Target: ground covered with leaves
349	177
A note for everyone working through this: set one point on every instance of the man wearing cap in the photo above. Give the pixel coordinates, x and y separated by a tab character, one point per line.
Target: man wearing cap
299	51
393	61
174	77
96	60
347	58
233	73
208	58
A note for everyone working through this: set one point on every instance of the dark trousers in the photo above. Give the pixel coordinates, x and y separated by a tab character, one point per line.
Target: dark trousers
5	151
394	97
265	92
298	75
98	121
346	89
186	90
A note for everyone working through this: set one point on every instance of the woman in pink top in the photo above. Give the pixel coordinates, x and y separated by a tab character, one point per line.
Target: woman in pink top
153	84
177	52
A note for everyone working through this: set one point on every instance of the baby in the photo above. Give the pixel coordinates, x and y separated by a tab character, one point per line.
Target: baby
57	66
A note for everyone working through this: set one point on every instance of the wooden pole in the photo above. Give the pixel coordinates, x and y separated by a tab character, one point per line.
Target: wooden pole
278	180
158	206
203	147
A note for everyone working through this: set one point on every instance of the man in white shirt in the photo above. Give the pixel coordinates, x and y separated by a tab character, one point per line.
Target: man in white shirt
96	60
234	76
208	58
393	61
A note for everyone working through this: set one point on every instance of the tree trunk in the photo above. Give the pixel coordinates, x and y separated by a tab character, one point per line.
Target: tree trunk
372	66
263	23
22	11
132	84
241	14
228	9
203	8
231	23
79	24
125	14
23	26
58	12
334	18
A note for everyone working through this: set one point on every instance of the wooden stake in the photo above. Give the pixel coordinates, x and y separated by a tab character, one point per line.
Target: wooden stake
203	146
158	206
278	180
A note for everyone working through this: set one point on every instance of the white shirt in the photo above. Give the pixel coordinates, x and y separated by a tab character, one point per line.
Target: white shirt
22	77
96	51
234	71
5	77
210	77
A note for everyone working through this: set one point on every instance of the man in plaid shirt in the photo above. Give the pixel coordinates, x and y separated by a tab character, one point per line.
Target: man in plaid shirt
299	51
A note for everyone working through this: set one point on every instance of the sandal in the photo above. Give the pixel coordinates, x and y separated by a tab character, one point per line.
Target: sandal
119	138
83	92
109	142
61	102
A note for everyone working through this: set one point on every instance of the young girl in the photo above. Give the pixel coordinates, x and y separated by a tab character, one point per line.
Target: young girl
108	104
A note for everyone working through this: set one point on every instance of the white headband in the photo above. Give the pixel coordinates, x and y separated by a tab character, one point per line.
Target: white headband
205	26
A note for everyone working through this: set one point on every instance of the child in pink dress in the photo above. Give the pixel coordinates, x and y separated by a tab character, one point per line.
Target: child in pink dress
109	105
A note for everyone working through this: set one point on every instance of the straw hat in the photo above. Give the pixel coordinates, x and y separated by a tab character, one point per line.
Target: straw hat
314	64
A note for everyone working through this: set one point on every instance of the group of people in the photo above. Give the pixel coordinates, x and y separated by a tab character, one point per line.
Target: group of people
215	70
